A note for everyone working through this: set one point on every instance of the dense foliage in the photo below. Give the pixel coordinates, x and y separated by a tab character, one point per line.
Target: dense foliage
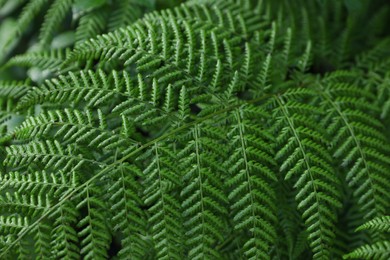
208	129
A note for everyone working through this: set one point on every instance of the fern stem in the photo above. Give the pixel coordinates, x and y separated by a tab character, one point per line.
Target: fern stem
199	166
243	146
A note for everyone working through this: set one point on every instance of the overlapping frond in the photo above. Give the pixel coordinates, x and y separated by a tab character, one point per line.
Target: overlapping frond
303	157
40	183
125	12
65	242
29	12
290	224
154	56
79	87
91	24
44	60
48	154
83	128
357	140
13	89
53	19
128	217
10	93
28	196
377	250
93	231
350	218
375	65
88	18
220	129
381	224
204	202
162	183
251	194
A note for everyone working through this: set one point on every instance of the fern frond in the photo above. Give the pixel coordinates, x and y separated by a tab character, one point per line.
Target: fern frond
358	140
162	28
164	203
373	60
91	24
204	203
12	224
44	60
53	18
38	183
252	197
27	206
128	218
10	93
65	243
290	223
121	96
84	128
379	250
31	194
29	12
42	239
74	87
82	87
303	156
49	154
350	218
91	21
125	13
13	89
379	224
202	131
94	236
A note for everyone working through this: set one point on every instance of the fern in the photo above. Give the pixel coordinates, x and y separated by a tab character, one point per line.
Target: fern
377	224
204	204
54	16
129	219
233	129
165	210
362	148
378	250
92	19
252	196
303	154
43	60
